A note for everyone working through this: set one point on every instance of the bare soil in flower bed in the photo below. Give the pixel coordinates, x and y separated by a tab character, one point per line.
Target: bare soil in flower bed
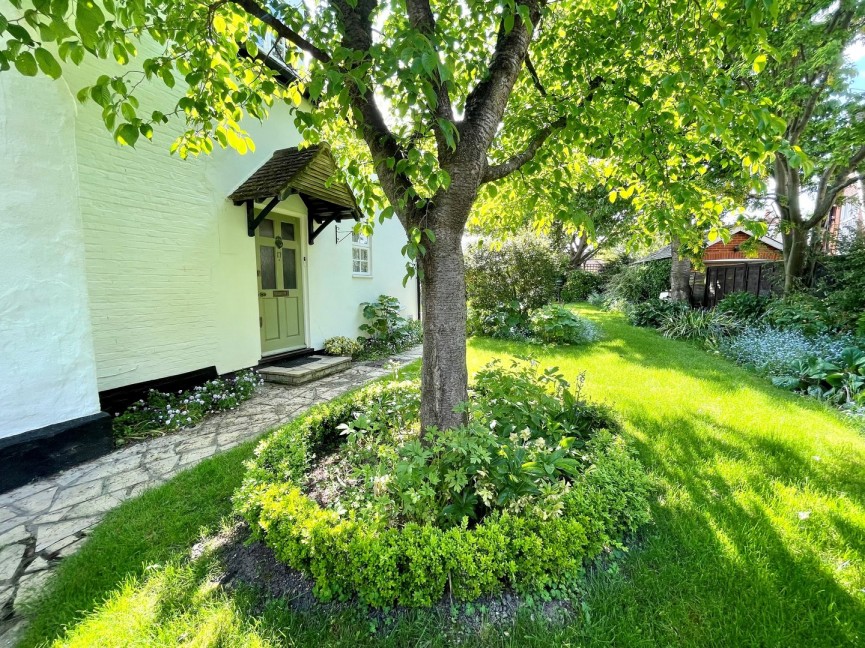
329	477
252	565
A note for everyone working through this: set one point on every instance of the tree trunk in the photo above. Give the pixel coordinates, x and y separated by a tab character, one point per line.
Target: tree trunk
680	274
444	376
795	252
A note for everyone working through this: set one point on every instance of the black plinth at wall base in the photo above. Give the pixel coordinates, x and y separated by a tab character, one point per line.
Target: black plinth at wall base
46	451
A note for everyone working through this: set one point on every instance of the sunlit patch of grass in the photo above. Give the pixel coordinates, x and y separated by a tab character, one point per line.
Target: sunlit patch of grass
758	536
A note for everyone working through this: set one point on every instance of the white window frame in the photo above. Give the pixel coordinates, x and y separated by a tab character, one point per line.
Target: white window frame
361	242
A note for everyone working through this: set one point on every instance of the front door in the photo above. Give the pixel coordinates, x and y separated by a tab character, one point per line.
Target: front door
280	286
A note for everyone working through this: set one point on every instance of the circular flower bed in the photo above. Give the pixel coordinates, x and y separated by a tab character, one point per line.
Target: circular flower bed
533	486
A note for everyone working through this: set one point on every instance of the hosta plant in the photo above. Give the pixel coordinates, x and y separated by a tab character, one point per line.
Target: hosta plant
556	324
841	382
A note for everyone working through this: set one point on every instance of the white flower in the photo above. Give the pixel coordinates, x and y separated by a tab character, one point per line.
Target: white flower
804	515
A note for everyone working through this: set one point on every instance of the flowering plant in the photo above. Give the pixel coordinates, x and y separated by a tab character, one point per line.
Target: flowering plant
162	412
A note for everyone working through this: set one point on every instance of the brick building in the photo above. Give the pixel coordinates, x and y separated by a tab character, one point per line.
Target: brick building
731	267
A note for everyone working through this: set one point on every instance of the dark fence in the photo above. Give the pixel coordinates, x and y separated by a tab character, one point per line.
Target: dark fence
708	288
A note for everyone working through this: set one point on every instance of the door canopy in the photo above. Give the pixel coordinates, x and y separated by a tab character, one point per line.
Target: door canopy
304	172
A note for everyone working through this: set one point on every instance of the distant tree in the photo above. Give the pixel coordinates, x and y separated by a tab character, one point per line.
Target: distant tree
808	81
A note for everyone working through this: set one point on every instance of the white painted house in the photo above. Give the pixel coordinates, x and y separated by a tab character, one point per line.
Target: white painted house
120	266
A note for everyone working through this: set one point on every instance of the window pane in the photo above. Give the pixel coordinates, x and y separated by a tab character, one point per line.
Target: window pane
289	269
268	267
287	231
266	228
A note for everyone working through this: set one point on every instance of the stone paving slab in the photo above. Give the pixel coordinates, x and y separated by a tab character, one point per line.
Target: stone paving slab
45	521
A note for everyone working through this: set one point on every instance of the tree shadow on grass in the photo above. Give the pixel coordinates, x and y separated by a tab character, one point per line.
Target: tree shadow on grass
720	566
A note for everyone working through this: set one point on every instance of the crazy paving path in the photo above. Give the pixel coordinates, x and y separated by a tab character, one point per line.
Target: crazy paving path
45	521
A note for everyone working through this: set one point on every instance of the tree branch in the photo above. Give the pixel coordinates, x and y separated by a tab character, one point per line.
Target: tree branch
535	78
382	144
499	171
486	103
421	17
286	32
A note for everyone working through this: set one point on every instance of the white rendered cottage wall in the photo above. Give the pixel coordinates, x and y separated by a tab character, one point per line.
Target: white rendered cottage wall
121	266
170	268
335	294
47	368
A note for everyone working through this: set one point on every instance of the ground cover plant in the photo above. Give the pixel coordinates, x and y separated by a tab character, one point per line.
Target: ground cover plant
757	535
533	486
550	324
384	332
163	412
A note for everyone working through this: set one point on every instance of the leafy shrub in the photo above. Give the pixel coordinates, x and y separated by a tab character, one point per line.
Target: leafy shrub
519	276
639	282
653	312
163	412
708	326
342	346
545	486
579	284
386	330
776	352
743	306
503	324
841	382
799	311
597	299
844	286
556	324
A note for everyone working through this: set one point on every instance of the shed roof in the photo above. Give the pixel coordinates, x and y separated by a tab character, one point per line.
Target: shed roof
294	170
666	251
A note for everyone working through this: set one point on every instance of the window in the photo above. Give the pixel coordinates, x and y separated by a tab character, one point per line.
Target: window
360	259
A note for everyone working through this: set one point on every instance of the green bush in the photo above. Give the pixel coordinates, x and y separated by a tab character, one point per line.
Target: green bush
342	346
502	324
799	311
556	324
844	287
523	496
653	312
579	284
386	331
841	382
708	326
639	282
519	276
743	306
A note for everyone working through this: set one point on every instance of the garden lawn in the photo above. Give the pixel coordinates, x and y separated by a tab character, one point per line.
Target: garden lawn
758	536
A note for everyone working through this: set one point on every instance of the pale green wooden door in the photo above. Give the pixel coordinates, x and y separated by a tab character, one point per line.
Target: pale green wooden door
280	285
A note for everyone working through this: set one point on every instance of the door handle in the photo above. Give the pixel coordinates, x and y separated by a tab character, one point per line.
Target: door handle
262	294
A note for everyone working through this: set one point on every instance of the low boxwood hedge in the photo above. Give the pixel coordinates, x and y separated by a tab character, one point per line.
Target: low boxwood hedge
416	564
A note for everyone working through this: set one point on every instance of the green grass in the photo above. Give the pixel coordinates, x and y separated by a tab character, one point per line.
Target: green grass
729	560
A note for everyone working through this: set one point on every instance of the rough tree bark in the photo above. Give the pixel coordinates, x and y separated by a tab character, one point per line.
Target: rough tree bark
444	376
680	274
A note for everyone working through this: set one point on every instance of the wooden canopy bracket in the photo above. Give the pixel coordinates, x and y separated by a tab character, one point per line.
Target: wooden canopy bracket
314	230
253	221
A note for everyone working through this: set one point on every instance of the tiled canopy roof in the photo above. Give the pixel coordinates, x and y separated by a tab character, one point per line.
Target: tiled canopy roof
304	171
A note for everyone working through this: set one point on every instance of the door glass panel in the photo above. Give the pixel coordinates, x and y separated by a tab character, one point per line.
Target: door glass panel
268	267
287	231
289	269
266	228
